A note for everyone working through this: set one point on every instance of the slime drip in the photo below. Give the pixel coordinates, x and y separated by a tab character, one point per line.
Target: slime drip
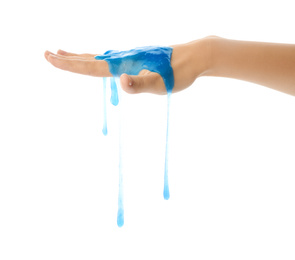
154	59
120	214
105	127
114	95
166	192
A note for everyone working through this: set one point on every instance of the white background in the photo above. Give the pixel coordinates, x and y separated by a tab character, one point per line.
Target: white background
231	171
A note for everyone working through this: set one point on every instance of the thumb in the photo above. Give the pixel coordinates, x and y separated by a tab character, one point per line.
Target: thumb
132	84
151	83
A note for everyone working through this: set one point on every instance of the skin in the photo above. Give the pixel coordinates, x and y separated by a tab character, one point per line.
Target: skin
268	64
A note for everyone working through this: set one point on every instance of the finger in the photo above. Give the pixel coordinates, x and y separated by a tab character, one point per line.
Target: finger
149	83
86	67
47	53
84	55
68	57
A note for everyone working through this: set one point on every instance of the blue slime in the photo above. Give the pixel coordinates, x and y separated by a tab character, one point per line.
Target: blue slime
155	59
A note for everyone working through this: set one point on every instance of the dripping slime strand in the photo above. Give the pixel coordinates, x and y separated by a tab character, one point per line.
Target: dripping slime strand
114	92
120	214
166	192
155	59
115	102
105	127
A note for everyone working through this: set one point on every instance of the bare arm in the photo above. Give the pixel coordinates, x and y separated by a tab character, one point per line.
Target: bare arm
268	64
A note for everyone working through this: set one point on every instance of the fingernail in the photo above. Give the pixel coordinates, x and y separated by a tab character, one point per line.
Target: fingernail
62	52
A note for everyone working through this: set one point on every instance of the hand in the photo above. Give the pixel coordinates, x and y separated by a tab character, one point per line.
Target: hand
188	61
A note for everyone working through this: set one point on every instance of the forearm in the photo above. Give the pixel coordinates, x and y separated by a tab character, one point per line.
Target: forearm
268	64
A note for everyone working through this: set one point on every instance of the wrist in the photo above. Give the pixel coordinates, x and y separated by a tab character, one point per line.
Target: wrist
206	55
209	49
